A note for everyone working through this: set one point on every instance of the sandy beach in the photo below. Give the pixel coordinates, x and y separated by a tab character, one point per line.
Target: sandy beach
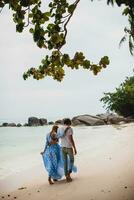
105	164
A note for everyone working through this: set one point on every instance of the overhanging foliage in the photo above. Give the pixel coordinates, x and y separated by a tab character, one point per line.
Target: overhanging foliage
49	30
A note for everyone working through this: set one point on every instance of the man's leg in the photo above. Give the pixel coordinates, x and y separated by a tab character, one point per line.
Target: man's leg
71	158
64	153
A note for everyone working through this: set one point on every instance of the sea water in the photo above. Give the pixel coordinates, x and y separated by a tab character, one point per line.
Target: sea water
20	147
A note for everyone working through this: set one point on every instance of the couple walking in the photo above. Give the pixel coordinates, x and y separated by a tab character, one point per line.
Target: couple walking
59	160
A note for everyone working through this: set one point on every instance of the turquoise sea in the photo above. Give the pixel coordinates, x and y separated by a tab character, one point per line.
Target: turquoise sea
20	147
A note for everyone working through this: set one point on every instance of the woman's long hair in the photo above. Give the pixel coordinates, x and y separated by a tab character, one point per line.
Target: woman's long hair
54	128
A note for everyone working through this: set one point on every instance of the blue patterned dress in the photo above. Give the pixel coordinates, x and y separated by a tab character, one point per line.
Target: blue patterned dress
52	159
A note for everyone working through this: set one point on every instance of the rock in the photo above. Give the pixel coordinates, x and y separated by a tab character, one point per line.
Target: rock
122	122
59	121
87	120
104	117
129	119
19	125
33	121
76	122
111	118
25	124
115	119
43	121
5	124
12	124
50	123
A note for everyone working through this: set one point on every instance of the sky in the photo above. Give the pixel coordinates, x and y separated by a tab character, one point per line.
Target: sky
96	30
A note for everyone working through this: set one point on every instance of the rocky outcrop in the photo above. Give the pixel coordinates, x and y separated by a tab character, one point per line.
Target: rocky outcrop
111	118
19	125
100	119
59	122
129	119
50	123
12	124
34	121
26	124
84	120
5	124
87	120
43	121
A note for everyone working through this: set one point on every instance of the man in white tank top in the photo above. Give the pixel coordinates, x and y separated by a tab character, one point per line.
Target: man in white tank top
68	147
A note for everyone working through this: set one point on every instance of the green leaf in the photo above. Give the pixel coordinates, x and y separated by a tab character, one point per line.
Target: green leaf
71	8
126	11
86	64
48	14
20	27
104	61
31	30
30	15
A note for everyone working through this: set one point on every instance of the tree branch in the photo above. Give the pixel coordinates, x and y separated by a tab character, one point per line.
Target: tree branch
65	25
28	22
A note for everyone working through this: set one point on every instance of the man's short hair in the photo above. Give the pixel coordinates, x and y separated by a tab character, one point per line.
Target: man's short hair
67	121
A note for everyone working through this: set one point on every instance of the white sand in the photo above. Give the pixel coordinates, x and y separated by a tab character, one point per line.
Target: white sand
105	164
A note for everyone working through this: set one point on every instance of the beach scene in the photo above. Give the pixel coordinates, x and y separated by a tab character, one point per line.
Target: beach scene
105	164
67	100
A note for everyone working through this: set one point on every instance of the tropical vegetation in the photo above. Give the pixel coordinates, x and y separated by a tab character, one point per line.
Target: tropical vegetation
122	100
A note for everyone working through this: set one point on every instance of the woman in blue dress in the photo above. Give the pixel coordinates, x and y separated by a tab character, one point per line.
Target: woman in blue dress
52	156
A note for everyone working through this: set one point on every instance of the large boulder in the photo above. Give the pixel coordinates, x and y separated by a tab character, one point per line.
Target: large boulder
33	121
12	124
104	117
50	123
5	124
19	125
111	118
26	124
43	121
129	119
87	120
115	119
59	121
